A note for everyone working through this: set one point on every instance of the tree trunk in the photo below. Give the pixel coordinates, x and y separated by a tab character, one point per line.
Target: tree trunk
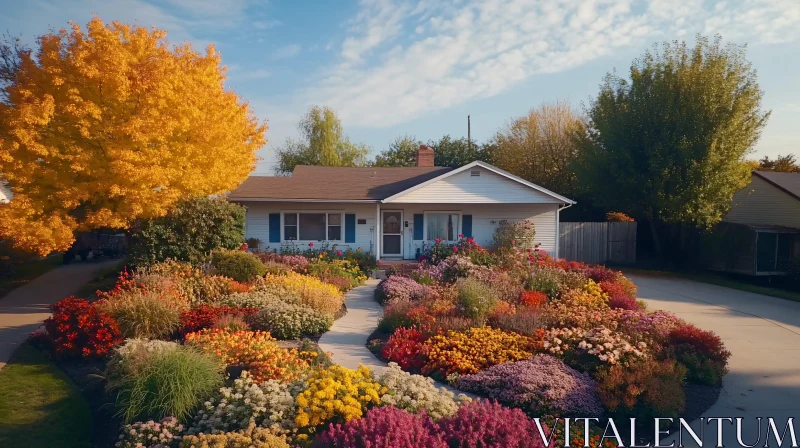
656	241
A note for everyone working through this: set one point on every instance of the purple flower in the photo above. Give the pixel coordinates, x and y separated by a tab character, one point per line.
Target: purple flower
383	428
542	384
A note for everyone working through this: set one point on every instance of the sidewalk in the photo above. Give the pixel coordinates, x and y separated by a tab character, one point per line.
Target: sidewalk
24	309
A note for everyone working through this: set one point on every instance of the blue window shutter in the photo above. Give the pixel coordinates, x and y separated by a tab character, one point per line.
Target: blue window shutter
274	227
350	228
418	227
466	226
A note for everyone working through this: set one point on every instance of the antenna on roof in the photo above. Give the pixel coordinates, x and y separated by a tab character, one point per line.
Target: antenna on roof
469	134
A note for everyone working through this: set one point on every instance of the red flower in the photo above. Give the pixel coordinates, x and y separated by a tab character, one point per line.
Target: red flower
455	249
528	250
512	241
438	240
461	235
310	244
339	253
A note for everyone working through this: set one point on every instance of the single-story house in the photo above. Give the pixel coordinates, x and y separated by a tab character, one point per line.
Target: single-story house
391	212
760	235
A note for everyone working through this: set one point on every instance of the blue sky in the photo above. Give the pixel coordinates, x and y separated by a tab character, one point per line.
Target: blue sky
419	67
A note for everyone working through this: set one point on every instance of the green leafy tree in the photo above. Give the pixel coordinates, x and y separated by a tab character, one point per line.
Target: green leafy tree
189	232
323	143
541	147
669	145
458	152
402	152
785	164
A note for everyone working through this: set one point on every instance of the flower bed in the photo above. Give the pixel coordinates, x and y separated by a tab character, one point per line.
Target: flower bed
546	336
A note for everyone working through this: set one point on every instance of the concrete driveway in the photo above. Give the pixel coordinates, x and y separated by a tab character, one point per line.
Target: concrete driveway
763	335
24	309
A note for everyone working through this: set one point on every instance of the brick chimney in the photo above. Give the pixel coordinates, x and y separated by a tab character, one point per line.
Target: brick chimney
425	156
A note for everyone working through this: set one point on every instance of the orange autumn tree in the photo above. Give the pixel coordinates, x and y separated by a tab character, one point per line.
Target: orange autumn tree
102	127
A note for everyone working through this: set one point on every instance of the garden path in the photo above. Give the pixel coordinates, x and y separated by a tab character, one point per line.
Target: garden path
763	335
24	309
346	342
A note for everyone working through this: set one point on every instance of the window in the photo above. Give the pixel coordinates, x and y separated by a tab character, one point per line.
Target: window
444	226
312	226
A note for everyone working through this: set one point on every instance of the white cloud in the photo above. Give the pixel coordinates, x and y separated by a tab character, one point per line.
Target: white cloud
389	73
287	52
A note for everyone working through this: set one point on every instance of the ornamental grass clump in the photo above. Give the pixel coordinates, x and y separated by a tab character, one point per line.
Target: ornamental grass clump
167	432
268	404
254	350
400	288
416	393
143	314
165	383
488	424
474	350
383	428
476	300
539	385
336	395
289	321
303	290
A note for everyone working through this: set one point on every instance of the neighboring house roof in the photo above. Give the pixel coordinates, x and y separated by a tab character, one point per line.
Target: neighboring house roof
326	183
789	183
318	183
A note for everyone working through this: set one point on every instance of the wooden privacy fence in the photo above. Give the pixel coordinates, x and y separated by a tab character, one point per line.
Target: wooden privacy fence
598	242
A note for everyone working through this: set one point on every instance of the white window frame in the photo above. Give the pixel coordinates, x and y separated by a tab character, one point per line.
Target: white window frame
313	212
443	212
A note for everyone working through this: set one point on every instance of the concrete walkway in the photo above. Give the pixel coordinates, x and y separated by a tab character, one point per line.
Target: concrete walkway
763	335
24	309
347	339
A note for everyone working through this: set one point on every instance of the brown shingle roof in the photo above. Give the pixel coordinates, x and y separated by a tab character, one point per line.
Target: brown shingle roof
788	182
335	183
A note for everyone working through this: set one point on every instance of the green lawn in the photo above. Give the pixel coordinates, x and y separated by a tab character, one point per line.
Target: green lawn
733	282
40	406
26	272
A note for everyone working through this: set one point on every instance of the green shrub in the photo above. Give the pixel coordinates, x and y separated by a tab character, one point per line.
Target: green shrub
189	232
476	298
141	314
288	321
169	382
238	265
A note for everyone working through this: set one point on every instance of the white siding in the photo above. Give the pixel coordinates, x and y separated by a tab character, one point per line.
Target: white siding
487	188
761	203
257	225
485	219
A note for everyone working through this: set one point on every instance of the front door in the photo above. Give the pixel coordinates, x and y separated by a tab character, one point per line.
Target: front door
392	229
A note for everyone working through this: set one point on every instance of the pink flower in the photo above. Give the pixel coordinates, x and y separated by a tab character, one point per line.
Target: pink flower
512	241
339	253
455	249
310	244
461	235
438	240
